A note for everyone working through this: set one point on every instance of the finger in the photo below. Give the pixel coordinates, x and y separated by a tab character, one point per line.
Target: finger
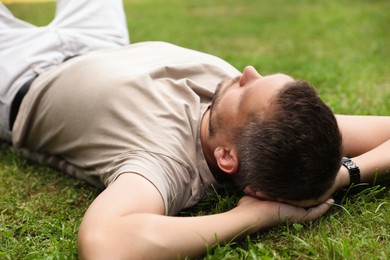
316	212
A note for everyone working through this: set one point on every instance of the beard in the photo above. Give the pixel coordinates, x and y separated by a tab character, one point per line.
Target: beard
222	87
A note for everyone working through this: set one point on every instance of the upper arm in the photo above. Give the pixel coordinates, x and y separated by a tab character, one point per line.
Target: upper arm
363	133
130	193
113	224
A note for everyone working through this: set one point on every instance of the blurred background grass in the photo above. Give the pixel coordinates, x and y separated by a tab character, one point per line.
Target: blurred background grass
341	46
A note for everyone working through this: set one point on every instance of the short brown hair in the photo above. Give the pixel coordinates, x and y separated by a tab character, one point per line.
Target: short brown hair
295	152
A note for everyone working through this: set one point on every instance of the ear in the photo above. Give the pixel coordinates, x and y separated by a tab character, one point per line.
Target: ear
227	159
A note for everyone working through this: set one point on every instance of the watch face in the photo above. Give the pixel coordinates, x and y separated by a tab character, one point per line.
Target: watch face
350	164
345	159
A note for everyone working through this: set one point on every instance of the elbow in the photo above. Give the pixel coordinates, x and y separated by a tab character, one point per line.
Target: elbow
93	244
104	241
108	241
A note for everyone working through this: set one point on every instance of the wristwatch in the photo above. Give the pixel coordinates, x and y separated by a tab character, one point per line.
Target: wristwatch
353	169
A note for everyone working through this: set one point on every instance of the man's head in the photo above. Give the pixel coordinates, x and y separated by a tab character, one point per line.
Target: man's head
276	136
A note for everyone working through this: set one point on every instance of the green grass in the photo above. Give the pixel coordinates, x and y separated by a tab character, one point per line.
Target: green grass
341	46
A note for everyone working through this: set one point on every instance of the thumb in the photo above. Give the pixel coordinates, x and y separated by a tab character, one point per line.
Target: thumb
317	211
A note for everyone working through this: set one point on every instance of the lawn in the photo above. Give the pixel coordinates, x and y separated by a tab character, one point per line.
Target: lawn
341	46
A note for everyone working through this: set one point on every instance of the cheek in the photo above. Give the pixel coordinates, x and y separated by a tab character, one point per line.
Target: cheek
226	110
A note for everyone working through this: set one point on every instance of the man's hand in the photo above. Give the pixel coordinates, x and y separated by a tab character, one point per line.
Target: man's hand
271	213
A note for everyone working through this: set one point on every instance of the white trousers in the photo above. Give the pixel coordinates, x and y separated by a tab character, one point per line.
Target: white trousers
79	27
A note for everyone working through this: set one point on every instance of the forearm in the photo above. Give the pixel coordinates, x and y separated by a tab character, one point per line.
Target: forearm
151	236
171	237
362	134
374	165
366	140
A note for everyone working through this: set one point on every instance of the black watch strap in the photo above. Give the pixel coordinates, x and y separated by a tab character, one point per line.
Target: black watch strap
353	169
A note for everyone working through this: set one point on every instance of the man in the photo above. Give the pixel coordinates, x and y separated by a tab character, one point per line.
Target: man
137	119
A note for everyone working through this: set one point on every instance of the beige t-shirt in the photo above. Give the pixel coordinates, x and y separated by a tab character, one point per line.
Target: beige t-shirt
134	109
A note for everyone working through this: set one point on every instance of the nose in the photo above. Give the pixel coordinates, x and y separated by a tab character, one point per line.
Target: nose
249	74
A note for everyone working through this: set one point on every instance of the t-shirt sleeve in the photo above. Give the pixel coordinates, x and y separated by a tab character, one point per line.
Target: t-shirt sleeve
170	177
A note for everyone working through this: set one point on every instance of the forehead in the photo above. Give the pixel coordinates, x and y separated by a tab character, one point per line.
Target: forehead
273	82
277	79
259	94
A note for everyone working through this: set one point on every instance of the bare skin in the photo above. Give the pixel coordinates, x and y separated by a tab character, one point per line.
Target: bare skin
127	221
136	220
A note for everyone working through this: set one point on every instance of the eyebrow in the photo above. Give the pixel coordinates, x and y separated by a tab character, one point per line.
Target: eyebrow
242	95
